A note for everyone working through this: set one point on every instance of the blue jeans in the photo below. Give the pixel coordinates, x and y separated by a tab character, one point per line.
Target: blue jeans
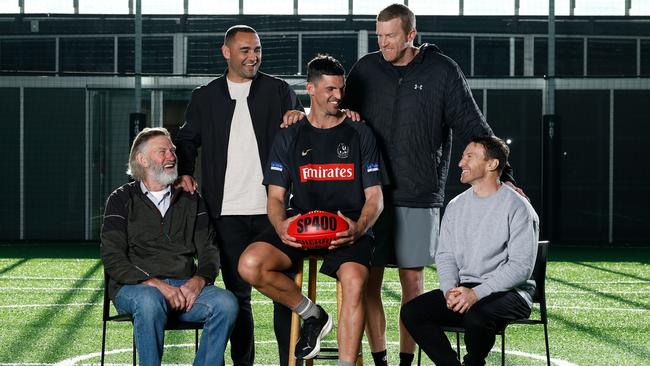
216	307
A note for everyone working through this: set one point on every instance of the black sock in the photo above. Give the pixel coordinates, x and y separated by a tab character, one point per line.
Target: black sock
405	359
380	358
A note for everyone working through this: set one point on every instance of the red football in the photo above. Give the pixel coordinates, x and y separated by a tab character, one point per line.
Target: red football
316	229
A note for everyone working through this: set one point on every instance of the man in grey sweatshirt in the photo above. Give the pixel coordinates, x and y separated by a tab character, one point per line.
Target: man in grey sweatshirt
485	260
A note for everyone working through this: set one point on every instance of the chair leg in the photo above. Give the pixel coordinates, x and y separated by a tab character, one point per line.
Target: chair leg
458	345
311	279
103	342
196	341
360	356
293	338
339	299
295	321
548	352
311	290
134	351
419	355
503	348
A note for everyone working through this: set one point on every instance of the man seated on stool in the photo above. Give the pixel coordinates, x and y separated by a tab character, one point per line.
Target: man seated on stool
325	140
488	245
151	236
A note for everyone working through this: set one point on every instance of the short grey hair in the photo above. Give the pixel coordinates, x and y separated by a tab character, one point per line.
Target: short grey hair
134	169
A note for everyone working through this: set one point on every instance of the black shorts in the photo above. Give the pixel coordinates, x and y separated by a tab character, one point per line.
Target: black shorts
359	252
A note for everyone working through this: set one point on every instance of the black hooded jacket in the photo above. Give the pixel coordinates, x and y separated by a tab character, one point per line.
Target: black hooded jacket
413	115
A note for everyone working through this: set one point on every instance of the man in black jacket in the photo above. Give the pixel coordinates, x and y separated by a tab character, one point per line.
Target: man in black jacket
234	119
151	236
412	97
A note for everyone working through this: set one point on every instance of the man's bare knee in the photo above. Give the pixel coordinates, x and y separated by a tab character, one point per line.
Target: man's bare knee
354	285
412	281
353	278
250	264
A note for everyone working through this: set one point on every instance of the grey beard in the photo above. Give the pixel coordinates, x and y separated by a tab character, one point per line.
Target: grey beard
163	178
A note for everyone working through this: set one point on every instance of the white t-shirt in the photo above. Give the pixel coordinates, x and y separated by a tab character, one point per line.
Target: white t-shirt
162	199
243	192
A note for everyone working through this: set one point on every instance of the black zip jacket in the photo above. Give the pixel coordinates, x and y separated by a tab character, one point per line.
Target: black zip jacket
138	243
207	124
412	117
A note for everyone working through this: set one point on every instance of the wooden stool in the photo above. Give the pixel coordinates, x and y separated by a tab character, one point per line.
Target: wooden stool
331	353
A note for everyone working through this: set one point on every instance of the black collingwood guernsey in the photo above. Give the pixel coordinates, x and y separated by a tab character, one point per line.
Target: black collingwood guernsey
325	169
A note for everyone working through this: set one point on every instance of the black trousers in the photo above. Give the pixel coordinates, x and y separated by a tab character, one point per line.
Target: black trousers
424	316
235	233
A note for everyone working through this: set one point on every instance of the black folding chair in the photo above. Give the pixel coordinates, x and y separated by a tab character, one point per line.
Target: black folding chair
172	324
539	297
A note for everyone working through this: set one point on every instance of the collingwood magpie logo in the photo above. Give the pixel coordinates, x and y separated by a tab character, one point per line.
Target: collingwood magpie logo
342	151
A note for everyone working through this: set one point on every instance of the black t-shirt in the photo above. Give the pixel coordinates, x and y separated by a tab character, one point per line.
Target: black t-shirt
325	169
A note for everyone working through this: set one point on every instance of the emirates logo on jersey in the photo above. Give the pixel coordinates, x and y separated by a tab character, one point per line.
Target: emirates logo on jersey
326	172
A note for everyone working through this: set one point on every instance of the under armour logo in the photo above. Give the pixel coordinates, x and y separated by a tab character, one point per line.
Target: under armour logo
417	86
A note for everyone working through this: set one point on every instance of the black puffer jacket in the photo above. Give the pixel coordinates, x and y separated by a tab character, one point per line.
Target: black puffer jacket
412	117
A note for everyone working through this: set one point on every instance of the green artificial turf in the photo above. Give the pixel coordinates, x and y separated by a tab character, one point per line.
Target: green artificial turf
50	310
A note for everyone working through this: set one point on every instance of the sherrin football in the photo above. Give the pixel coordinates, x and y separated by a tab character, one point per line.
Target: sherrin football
316	229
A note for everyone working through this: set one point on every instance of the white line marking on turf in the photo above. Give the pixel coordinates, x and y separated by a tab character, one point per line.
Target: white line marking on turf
585	308
628	282
51	278
51	289
74	360
601	309
608	292
557	361
328	290
390	284
268	302
49	305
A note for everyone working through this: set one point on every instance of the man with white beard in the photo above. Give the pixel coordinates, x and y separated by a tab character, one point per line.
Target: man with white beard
151	236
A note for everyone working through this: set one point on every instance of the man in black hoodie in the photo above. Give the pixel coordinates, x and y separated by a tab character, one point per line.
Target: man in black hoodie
412	97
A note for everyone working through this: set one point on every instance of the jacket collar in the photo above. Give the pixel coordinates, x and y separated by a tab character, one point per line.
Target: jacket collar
136	187
223	83
424	50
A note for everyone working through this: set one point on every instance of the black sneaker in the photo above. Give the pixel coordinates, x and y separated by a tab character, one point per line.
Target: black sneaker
312	331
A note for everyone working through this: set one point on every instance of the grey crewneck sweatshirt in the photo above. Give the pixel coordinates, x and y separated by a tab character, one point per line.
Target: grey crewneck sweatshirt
489	240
